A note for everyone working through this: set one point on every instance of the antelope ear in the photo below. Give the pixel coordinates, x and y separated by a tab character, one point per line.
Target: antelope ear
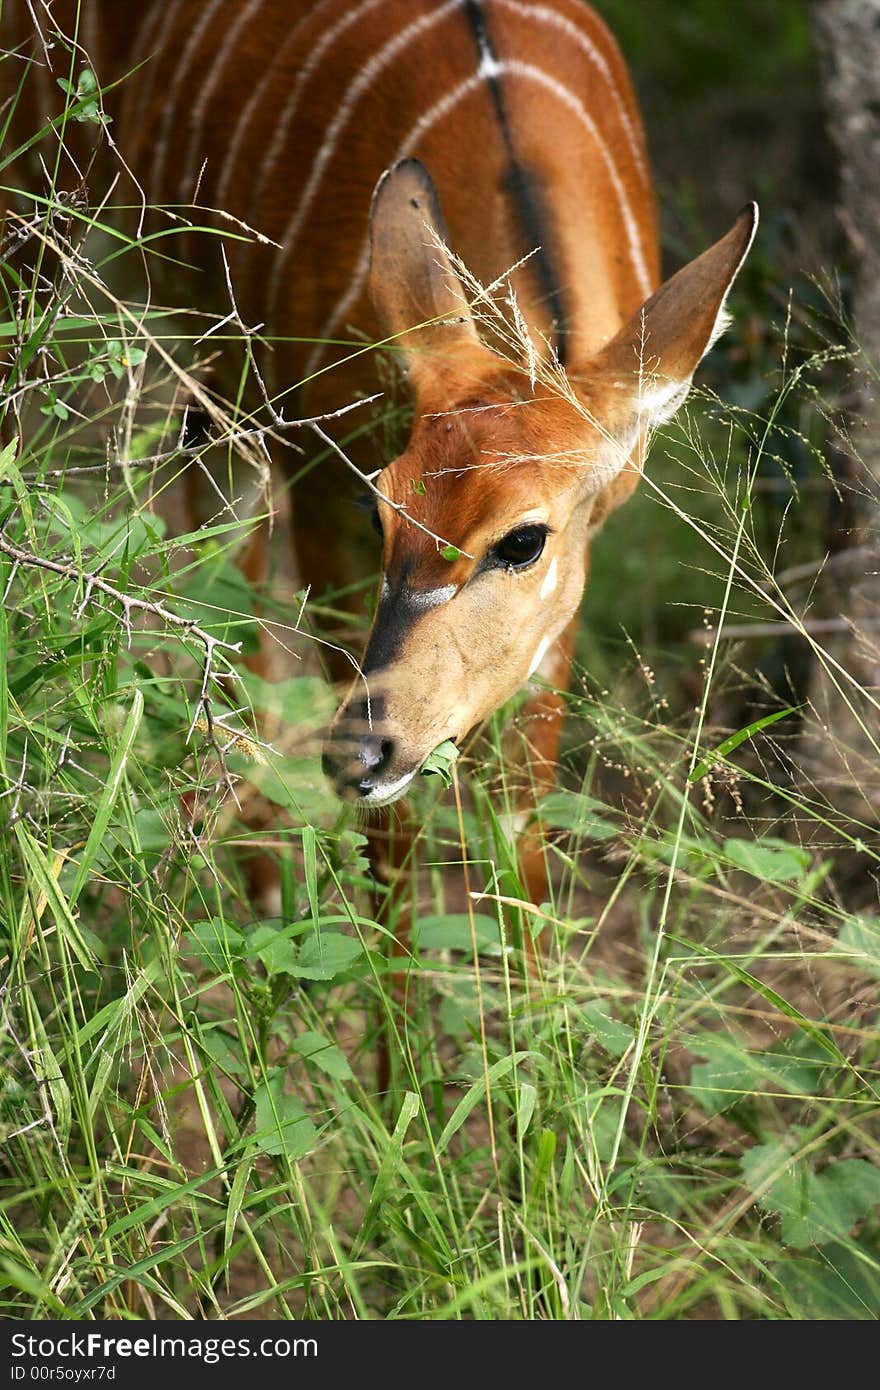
649	364
415	290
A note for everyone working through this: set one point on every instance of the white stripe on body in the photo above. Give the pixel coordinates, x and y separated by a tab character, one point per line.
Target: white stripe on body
191	161
351	296
282	129
154	43
364	79
247	112
543	14
181	73
430	118
576	106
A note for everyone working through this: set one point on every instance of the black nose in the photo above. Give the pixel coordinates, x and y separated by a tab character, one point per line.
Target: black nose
357	764
375	753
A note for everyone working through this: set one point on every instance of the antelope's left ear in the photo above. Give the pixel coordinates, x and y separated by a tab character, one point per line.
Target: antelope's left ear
649	364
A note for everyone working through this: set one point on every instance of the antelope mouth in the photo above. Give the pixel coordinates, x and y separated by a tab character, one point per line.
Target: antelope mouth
366	768
385	794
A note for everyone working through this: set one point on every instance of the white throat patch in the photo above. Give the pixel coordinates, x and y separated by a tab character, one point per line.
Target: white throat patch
540	653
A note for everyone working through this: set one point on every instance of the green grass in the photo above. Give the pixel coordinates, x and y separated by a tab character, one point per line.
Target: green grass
676	1118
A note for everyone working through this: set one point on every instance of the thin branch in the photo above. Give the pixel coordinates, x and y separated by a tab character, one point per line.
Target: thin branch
129	603
399	507
796	573
704	636
316	421
181	450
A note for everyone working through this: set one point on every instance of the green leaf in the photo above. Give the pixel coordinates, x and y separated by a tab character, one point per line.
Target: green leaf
118	1014
839	1281
297	784
860	938
104	809
219	598
388	1169
327	954
609	1032
450	553
326	1055
815	1208
215	943
223	1049
846	1191
828	1045
301	702
274	949
310	868
799	1064
440	762
525	1108
771	860
47	1071
452	932
476	1093
727	1076
282	1125
322	956
47	883
733	1072
781	1184
103	1069
739	737
236	1200
543	1166
568	810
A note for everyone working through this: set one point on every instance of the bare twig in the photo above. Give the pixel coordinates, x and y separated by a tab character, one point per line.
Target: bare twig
129	603
317	421
704	636
181	450
796	573
399	507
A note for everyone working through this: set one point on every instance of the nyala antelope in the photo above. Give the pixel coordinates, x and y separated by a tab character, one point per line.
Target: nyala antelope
380	146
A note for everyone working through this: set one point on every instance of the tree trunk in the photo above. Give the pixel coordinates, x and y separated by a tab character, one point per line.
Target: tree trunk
842	749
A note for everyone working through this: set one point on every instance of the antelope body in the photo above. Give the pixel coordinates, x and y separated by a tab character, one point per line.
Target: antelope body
364	138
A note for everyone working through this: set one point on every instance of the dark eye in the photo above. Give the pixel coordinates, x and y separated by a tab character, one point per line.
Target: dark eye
376	522
521	547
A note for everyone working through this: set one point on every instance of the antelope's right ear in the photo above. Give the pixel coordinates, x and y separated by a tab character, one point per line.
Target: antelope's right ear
415	290
649	364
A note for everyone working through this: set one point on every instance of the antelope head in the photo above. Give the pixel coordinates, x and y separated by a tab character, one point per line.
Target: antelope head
486	517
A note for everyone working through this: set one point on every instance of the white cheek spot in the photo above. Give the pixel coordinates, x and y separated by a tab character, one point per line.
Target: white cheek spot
540	653
550	579
431	598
